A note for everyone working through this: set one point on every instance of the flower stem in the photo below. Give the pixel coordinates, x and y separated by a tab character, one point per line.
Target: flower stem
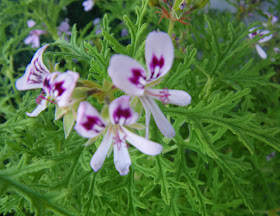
170	27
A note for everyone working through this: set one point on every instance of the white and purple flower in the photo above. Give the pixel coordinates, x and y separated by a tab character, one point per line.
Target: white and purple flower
90	124
56	86
88	5
130	76
34	35
254	33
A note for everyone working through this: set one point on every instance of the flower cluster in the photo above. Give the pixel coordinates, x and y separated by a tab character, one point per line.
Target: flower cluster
253	33
56	87
117	119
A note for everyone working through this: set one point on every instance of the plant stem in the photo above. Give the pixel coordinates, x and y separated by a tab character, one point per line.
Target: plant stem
170	27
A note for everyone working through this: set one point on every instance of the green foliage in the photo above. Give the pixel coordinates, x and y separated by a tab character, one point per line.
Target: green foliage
215	165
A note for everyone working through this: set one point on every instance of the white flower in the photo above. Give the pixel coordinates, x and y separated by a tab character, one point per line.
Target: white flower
33	37
130	76
88	5
90	124
56	86
253	34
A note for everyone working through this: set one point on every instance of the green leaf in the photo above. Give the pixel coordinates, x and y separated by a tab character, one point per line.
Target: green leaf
68	122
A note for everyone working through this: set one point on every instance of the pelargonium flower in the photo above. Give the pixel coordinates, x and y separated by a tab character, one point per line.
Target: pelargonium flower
90	124
64	28
57	87
276	50
88	5
252	34
33	37
130	76
96	23
272	20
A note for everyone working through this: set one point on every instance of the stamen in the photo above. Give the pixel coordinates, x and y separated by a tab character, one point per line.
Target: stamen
118	141
42	97
163	95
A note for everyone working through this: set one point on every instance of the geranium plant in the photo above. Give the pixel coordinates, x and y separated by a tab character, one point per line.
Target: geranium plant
178	116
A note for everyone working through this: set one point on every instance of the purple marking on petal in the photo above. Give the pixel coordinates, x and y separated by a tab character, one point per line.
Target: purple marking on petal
138	77
121	113
36	73
58	87
46	84
155	66
93	123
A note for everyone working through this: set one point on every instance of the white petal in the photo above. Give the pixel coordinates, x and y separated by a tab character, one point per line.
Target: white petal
41	106
39	32
121	113
28	39
99	156
159	54
88	5
266	38
89	123
30	23
148	116
261	52
274	20
161	121
36	41
63	86
127	74
264	24
121	158
167	96
35	72
142	144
